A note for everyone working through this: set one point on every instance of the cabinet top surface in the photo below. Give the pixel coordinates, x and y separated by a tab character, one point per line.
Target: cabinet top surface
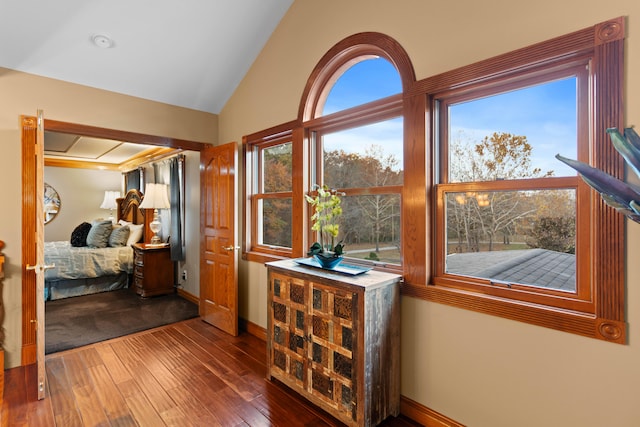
369	279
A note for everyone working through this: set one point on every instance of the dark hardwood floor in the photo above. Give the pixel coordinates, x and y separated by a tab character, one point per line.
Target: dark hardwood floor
185	374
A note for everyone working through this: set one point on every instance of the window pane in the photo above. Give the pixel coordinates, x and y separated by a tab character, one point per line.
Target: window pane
514	134
276	170
366	156
370	227
364	82
523	237
275	227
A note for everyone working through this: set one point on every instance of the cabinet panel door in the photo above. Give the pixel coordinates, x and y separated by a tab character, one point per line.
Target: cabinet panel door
332	371
289	322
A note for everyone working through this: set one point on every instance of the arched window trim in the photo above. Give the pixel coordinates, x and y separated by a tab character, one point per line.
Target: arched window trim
332	65
344	55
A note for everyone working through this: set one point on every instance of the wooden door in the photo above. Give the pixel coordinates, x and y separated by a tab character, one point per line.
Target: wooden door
33	245
218	250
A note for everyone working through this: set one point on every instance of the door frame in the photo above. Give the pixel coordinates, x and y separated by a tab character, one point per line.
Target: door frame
29	350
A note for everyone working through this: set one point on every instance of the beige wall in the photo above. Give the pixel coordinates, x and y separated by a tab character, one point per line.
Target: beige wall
81	193
23	94
477	369
191	263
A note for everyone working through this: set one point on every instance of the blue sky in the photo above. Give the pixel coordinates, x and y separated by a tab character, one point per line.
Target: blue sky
364	82
545	114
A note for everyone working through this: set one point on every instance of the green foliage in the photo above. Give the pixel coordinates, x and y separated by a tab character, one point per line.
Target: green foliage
554	233
373	256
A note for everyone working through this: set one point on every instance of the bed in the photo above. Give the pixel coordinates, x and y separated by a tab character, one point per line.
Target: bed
86	270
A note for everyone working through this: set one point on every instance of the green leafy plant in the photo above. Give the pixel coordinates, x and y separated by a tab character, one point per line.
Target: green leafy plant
327	210
623	197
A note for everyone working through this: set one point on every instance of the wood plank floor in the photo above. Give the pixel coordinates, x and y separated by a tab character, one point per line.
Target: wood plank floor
185	374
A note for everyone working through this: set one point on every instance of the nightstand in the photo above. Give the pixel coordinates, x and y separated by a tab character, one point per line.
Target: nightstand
153	270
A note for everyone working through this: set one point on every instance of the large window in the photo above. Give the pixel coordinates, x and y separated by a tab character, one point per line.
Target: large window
269	177
350	137
515	233
512	220
460	190
365	163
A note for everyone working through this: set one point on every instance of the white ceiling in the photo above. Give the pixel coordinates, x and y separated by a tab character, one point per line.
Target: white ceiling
189	53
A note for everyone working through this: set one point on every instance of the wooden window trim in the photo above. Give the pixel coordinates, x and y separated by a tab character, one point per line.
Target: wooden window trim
604	44
290	131
340	57
582	299
252	250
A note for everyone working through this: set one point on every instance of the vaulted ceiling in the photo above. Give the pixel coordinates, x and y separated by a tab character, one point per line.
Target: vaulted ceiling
188	53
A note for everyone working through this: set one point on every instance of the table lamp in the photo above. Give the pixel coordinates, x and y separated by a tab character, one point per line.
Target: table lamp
155	197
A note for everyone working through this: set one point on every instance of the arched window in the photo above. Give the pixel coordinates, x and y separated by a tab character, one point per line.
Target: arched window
352	129
359	153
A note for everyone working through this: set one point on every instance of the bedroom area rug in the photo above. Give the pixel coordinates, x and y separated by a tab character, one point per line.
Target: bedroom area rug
77	321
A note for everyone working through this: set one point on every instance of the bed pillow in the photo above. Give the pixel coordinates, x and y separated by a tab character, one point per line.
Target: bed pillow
79	235
98	236
135	233
119	236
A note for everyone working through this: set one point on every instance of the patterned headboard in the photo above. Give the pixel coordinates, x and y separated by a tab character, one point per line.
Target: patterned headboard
129	207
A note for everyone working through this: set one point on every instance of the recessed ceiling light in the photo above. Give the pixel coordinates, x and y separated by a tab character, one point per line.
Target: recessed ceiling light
102	41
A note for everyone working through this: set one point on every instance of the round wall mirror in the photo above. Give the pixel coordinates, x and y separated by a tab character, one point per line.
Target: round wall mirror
51	203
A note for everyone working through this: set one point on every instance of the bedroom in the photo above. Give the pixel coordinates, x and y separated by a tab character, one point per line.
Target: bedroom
80	186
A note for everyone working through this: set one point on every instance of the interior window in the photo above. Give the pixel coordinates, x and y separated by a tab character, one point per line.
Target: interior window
275	211
452	181
514	134
361	155
349	136
360	161
271	203
509	208
512	235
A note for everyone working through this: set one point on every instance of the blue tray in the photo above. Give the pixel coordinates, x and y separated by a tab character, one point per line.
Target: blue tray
350	269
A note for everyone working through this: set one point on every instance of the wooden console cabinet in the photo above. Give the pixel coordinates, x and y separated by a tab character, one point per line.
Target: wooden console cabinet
335	339
153	270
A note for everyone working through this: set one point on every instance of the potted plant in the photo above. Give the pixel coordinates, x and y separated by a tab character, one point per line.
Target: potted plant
327	211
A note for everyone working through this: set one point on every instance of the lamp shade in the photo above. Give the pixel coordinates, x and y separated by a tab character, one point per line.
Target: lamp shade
109	201
155	197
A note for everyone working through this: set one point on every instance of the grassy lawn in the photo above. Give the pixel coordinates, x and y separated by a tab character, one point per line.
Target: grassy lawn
391	254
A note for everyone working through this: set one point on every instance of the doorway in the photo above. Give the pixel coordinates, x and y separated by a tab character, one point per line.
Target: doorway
29	348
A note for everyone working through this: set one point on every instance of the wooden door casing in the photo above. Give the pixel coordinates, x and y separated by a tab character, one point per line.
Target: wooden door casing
32	129
218	251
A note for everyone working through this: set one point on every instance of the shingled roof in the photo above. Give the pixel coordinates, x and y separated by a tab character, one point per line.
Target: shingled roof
537	267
